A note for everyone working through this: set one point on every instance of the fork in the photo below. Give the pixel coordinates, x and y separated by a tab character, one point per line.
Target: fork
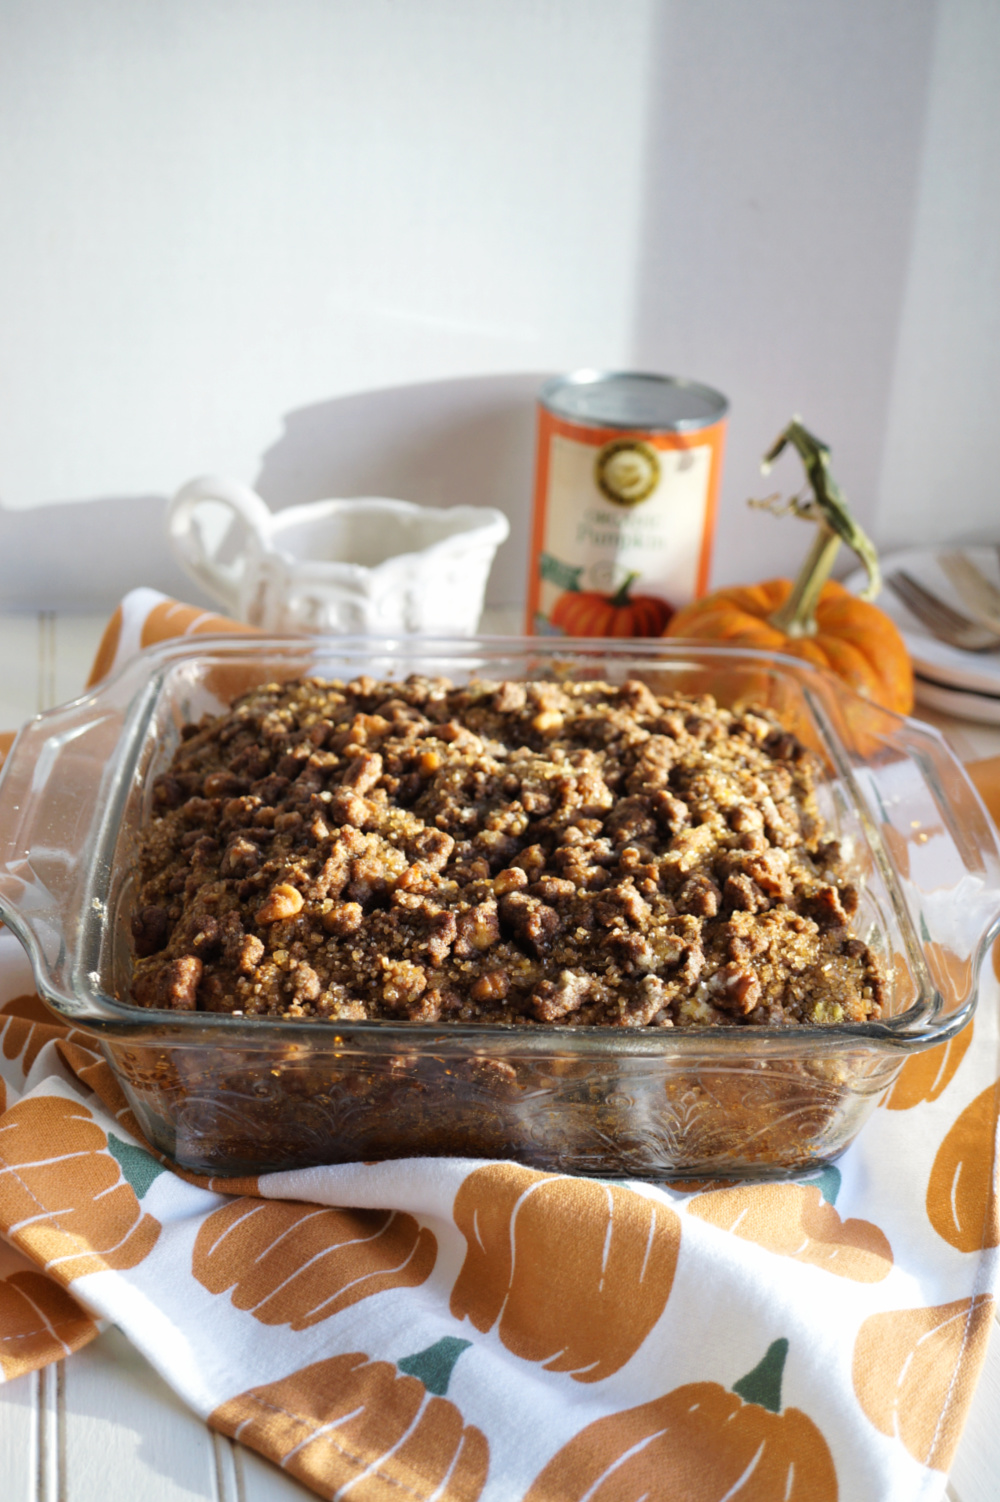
981	596
946	624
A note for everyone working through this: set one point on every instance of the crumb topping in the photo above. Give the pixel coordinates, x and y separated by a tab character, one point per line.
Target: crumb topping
522	853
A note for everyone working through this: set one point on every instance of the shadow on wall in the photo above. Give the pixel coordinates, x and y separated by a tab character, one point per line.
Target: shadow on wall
783	165
439	443
84	555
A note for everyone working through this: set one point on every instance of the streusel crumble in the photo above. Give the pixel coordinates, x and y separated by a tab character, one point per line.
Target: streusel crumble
520	853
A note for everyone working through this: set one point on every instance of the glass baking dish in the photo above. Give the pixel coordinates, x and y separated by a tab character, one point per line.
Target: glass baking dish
233	1095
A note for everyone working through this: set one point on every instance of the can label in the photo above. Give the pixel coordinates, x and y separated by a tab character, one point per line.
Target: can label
623	527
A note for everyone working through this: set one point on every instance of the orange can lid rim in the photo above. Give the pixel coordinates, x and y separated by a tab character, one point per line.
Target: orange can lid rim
632	400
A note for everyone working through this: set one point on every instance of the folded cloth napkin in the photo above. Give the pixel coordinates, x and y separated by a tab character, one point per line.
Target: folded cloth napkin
456	1329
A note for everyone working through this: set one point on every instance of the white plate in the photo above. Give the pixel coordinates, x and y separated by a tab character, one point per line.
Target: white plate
973	673
957	701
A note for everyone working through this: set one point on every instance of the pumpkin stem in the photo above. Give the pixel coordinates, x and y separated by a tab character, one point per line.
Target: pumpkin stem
763	1384
621	598
827	1181
138	1166
797	617
435	1365
829	509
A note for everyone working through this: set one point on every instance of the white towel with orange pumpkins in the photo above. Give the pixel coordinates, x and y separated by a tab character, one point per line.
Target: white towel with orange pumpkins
453	1329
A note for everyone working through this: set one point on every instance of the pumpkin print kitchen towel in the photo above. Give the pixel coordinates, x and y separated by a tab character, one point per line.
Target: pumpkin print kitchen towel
455	1330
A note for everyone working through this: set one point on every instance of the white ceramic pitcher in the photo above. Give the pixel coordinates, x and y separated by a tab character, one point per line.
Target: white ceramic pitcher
363	566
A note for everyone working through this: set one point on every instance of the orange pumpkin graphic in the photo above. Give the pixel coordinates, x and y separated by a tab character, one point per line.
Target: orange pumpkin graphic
698	1443
96	1073
26	1025
915	1370
74	1211
952	973
986	776
172	618
295	1264
794	1220
167	619
31	1007
107	649
573	1273
584	612
898	846
926	1076
961	1202
39	1323
352	1422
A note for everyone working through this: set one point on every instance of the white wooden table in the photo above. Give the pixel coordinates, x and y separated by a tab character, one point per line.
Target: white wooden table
102	1426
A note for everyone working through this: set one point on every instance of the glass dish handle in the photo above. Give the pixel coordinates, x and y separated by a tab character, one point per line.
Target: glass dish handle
51	794
944	846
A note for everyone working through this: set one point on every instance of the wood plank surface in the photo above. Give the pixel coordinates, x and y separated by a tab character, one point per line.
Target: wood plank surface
19	1410
122	1432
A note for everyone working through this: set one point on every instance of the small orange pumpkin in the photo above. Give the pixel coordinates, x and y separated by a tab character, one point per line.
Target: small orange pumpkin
584	612
701	1443
814	618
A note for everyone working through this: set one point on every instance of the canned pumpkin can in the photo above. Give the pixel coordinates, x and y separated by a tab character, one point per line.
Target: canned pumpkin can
626	487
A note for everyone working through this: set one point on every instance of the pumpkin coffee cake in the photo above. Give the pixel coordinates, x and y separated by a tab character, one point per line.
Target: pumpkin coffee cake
507	852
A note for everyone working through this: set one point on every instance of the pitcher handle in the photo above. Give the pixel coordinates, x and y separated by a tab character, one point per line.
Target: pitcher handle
187	538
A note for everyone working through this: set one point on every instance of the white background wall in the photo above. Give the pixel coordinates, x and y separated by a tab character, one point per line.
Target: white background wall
222	217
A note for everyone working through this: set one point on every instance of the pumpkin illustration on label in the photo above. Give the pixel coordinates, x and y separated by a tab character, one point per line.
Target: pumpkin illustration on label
293	1264
914	1372
961	1199
352	1423
796	1220
700	1443
573	1274
587	612
39	1323
75	1210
